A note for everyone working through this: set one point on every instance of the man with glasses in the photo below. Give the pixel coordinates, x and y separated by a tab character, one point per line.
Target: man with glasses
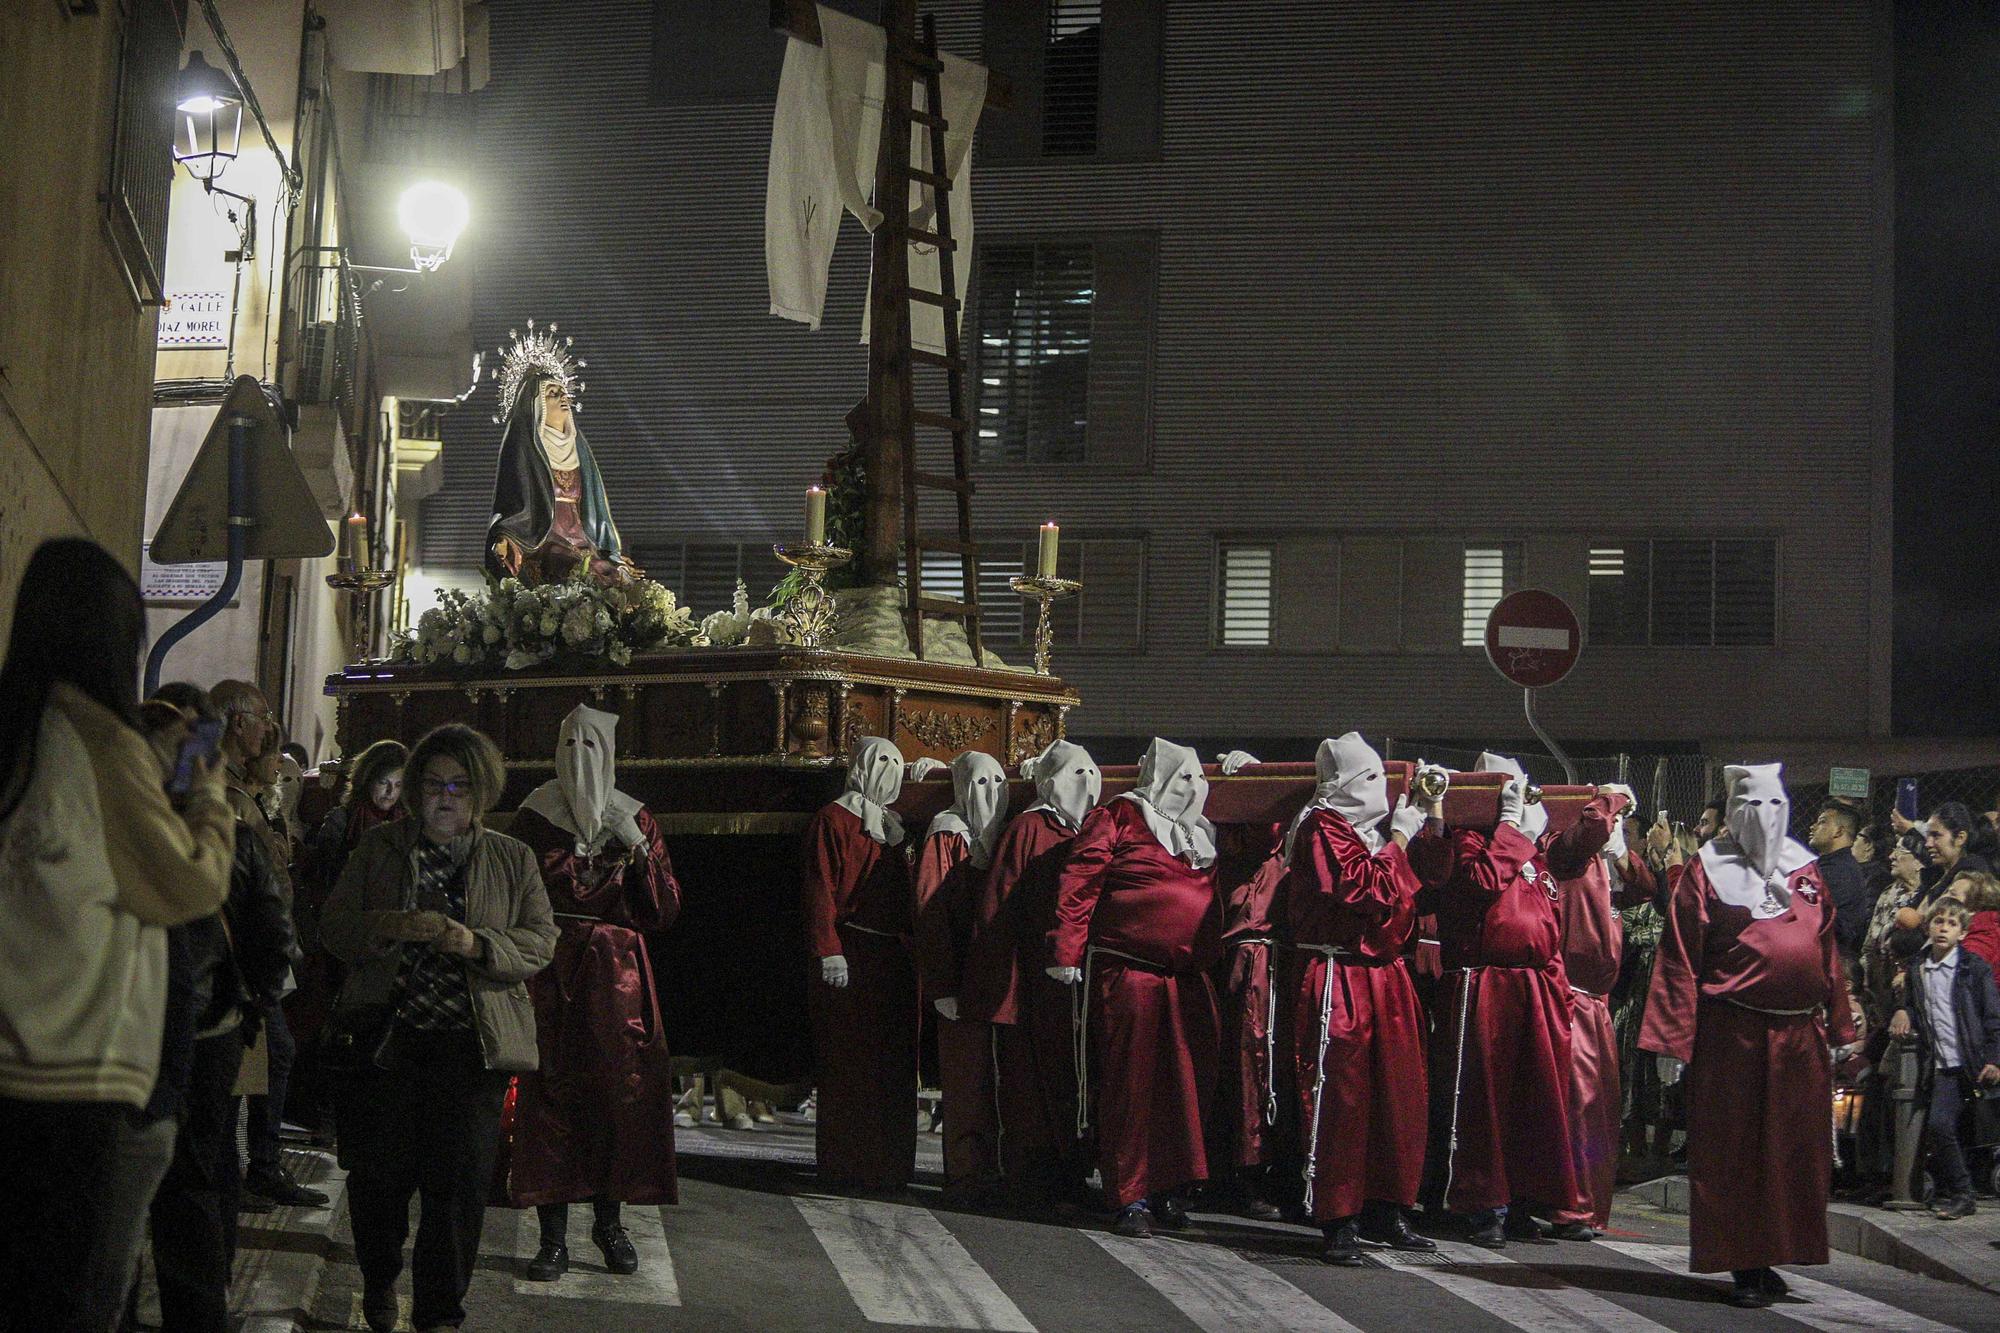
251	742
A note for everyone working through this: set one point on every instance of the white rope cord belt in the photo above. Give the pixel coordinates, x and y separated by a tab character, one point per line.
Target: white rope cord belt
1270	1030
1775	1013
1332	954
869	930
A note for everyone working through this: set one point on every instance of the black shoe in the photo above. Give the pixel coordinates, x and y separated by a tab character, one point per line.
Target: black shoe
1170	1213
1489	1233
619	1255
1573	1231
1390	1227
1135	1220
281	1187
1343	1244
550	1262
1747	1293
247	1202
1950	1210
1773	1283
1525	1226
378	1310
1262	1210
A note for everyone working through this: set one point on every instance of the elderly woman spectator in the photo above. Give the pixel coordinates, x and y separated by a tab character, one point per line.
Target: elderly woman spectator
441	921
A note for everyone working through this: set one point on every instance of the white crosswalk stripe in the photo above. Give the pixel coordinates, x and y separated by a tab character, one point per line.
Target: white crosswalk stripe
1554	1308
654	1284
902	1267
1219	1290
1820	1305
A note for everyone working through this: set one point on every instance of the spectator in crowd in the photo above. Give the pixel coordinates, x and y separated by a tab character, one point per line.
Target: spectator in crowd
250	742
1955	844
1952	1007
1980	892
442	921
1871	852
1710	823
374	797
1879	963
99	864
297	754
1832	838
1877	986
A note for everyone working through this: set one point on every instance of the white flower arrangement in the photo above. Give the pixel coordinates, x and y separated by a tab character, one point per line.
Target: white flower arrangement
517	627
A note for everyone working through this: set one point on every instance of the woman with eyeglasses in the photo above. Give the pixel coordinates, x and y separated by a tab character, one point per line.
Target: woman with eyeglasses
441	921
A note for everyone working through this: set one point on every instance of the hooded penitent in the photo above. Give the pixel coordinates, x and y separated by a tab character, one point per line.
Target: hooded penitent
1067	783
979	804
524	489
1750	863
1352	784
1534	819
1171	792
584	800
874	779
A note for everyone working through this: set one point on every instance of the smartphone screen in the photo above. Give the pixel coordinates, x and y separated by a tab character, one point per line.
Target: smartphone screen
1906	797
202	743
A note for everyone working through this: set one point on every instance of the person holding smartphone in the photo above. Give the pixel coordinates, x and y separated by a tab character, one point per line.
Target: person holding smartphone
442	922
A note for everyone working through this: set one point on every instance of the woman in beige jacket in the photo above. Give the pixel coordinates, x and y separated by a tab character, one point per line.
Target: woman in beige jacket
95	863
441	922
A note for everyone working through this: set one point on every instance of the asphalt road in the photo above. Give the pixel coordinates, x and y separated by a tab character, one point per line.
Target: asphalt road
754	1246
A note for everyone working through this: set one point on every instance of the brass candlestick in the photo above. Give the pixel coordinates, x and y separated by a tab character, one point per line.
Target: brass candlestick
808	614
360	585
1043	591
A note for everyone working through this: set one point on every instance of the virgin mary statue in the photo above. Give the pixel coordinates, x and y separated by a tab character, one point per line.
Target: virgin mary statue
551	518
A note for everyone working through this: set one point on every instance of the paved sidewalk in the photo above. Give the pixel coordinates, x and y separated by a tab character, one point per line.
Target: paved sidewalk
1966	1251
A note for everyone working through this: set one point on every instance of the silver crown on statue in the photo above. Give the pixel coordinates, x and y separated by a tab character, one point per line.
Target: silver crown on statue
539	352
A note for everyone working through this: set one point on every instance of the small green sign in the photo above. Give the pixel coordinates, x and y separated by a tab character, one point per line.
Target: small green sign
1847	782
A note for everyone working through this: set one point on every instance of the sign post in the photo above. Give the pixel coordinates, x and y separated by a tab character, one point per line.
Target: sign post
1534	639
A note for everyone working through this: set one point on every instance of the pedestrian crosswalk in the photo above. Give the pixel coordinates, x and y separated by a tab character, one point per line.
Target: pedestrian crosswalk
859	1263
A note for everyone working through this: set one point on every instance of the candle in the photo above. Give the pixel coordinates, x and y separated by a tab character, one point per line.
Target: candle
357	537
1045	566
815	515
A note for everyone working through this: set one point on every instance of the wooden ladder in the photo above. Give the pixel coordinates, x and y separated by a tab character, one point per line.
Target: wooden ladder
899	117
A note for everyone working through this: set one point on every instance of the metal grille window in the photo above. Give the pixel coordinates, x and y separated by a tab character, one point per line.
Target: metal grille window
1245	577
1686	593
1071	77
1034	351
1491	572
142	161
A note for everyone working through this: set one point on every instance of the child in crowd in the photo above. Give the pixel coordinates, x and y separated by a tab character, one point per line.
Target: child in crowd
1952	1005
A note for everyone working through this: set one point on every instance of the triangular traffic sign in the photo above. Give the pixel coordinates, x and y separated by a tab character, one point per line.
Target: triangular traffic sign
286	520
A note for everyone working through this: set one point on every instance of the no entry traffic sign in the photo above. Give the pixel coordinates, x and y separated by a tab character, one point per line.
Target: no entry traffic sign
1533	638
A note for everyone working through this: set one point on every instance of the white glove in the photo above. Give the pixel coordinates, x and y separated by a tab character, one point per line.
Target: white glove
923	768
833	971
1512	807
1670	1069
1234	760
948	1006
1068	976
1406	819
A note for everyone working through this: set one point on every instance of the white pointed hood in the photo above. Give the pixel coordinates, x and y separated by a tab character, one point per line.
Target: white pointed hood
584	800
1067	782
1751	861
1171	791
1534	819
874	779
979	804
1352	784
1616	847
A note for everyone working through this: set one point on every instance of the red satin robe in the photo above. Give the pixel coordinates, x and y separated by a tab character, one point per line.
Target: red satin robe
1760	1082
1146	928
946	885
1593	948
596	1120
1003	983
858	906
1500	1050
1369	1145
1257	1016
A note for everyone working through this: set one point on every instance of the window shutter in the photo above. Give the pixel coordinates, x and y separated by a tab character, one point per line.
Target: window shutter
1002	613
1306	599
1034	321
1620	588
1071	77
1119	432
1113	572
1014	35
1683	593
1746	593
1128	116
1371	594
1245	605
1486	580
1433	595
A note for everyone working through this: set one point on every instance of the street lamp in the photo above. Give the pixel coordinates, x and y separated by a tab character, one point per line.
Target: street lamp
211	120
432	214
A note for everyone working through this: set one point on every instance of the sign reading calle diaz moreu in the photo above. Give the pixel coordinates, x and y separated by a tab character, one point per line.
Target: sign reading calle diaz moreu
1533	638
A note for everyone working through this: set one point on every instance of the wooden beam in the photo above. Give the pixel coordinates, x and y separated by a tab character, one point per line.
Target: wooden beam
800	19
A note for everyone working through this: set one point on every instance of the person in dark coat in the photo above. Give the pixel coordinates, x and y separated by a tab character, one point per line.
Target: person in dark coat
1832	836
596	1120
